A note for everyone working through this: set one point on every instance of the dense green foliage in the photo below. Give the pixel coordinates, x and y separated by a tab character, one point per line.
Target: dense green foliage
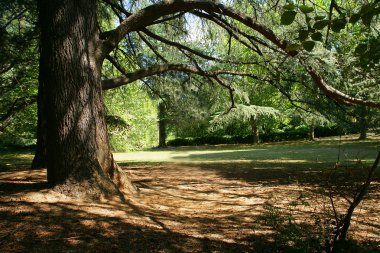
18	72
340	39
132	118
274	135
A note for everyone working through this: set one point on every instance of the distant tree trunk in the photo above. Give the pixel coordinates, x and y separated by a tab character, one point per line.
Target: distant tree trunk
363	134
363	122
311	133
161	125
255	130
79	159
363	125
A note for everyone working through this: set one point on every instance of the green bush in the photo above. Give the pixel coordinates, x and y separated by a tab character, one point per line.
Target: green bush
299	133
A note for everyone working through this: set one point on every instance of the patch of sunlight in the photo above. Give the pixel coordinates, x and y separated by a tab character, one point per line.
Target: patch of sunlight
183	156
282	160
214	156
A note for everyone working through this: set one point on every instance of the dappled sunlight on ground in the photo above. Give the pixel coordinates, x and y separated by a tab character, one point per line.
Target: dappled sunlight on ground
212	207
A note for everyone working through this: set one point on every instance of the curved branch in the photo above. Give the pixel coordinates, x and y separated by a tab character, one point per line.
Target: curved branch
150	14
335	94
159	69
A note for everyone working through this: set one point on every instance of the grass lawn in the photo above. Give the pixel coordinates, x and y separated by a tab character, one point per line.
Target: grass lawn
227	198
290	152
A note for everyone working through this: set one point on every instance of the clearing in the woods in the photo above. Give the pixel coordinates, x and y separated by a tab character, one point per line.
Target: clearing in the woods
263	198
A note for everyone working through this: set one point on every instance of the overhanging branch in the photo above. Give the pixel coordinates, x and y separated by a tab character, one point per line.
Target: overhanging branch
147	16
159	69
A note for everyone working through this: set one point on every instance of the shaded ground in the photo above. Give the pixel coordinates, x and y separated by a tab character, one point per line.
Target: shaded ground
257	205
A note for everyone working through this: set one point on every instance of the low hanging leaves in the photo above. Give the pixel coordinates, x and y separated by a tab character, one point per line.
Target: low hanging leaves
317	36
338	24
289	7
292	47
307	37
319	25
288	17
308	45
319	17
303	35
306	9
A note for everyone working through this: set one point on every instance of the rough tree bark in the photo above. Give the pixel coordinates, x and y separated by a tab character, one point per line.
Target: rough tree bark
79	159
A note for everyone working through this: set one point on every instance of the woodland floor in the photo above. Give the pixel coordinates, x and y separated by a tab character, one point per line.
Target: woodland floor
202	203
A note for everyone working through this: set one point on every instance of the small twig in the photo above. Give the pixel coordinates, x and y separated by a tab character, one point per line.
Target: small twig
152	47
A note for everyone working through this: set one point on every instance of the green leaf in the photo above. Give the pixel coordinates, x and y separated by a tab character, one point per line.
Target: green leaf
319	25
319	17
354	18
308	45
306	9
293	47
288	17
289	7
317	36
338	24
303	34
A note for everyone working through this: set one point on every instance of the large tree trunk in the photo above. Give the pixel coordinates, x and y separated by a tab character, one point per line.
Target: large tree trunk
161	125
79	159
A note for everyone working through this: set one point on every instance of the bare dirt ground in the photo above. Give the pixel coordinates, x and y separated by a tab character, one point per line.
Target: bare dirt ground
246	207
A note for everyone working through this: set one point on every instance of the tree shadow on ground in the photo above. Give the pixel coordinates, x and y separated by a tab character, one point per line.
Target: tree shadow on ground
181	208
68	227
60	228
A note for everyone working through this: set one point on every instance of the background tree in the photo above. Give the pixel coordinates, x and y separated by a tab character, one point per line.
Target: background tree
18	71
